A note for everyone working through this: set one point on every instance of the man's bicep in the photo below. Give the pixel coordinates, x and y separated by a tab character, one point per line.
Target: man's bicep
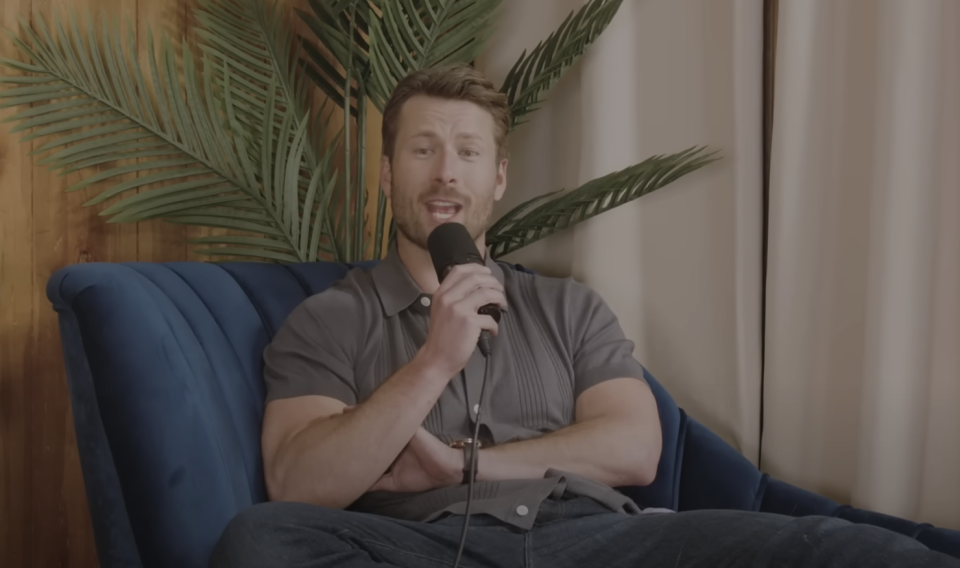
625	397
285	418
627	410
308	373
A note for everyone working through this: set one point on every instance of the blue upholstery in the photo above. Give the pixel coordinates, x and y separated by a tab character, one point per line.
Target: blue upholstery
164	371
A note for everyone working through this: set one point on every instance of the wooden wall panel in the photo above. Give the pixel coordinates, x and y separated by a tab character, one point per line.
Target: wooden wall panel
159	241
44	520
16	315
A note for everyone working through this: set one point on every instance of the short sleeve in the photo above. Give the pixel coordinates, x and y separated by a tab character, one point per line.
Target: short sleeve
307	357
601	351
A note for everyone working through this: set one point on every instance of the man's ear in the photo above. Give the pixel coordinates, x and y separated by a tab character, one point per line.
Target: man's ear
501	179
386	176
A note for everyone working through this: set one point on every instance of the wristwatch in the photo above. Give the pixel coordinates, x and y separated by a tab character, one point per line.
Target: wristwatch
467	444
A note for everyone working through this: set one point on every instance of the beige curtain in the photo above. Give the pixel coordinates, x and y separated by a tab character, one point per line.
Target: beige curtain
862	377
682	266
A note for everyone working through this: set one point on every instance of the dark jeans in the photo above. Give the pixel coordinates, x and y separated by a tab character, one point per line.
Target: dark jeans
576	533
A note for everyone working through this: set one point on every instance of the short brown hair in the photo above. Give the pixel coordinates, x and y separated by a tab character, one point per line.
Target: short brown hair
459	82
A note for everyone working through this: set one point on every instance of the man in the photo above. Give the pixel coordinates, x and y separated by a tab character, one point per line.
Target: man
373	386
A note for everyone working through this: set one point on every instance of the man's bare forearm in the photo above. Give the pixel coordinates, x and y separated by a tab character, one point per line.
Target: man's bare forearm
335	459
613	451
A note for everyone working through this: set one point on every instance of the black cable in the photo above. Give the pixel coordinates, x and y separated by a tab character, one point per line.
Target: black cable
473	458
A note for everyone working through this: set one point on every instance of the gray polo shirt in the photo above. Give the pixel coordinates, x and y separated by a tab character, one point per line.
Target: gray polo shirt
557	338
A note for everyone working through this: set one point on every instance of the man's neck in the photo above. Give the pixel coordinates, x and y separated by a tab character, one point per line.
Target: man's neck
419	264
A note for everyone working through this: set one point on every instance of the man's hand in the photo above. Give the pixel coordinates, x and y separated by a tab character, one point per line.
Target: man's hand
425	463
455	325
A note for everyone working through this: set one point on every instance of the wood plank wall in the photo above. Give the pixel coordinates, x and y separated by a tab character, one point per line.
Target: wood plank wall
44	521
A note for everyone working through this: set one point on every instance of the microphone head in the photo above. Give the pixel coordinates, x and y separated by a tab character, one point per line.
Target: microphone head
450	244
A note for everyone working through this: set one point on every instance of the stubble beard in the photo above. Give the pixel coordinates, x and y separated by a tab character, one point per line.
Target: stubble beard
409	219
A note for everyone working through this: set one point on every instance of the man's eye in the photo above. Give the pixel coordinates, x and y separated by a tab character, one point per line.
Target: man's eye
470	153
422	151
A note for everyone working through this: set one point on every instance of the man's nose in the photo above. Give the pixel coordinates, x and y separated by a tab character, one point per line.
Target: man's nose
446	168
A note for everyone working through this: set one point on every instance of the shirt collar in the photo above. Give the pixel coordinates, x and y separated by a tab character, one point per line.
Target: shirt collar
398	290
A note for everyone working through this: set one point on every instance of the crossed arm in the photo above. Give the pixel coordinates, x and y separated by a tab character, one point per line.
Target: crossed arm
615	440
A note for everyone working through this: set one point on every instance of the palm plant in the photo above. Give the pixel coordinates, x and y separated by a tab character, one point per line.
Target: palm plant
237	141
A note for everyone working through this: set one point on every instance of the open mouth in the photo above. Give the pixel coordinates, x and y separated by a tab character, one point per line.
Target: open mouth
441	211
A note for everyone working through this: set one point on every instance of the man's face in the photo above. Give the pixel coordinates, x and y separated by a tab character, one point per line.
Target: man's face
444	168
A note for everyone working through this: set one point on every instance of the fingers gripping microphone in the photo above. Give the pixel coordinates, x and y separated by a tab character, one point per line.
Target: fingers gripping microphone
449	245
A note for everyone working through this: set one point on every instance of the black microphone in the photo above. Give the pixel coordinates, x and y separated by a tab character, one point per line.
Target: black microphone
449	245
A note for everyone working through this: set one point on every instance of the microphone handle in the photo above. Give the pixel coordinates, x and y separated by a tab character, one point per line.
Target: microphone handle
493	311
484	343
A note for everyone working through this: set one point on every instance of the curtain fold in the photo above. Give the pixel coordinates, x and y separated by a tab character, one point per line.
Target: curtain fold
861	361
682	266
863	326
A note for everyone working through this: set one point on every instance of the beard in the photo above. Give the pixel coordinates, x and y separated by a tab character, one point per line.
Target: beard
413	223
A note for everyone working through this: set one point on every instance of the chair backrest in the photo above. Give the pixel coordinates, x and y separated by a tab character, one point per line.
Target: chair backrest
164	364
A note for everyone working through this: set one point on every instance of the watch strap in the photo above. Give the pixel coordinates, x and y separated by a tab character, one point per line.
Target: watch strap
468	449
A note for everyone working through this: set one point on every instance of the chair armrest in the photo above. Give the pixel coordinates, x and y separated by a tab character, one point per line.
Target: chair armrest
163	365
786	499
714	475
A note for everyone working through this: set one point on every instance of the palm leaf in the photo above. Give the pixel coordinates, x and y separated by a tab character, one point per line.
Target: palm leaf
591	199
416	34
96	114
535	73
185	143
234	143
509	216
250	37
342	27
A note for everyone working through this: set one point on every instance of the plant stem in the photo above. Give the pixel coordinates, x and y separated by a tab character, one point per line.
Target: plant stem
381	218
360	241
346	219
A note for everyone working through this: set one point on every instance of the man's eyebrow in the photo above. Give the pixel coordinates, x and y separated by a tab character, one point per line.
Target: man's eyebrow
432	134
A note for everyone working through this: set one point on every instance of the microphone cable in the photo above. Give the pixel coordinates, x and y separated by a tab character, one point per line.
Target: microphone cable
476	452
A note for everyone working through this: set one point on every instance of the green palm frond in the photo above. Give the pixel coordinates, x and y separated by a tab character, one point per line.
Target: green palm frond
341	27
533	75
92	100
514	232
251	38
416	34
298	218
233	142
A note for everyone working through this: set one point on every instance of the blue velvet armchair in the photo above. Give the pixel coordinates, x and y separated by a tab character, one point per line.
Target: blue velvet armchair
164	372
